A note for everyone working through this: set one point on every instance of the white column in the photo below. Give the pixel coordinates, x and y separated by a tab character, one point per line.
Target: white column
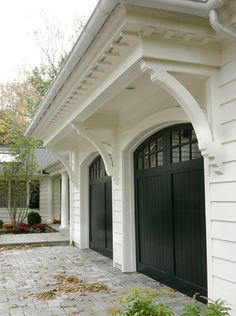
64	201
50	201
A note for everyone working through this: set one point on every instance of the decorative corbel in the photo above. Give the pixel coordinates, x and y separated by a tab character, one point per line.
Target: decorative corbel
161	76
66	164
100	147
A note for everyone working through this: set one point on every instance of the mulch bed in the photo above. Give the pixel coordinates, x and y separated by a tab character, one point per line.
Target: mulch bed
48	229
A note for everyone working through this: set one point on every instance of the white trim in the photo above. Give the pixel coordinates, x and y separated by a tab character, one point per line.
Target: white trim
66	164
208	230
208	146
84	199
106	157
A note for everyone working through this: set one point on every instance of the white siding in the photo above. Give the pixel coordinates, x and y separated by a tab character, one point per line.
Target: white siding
223	195
4	216
76	214
117	223
56	197
43	198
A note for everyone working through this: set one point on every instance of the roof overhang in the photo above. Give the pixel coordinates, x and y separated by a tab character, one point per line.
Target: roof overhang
94	49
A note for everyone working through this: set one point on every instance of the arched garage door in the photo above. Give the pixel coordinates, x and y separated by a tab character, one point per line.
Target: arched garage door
170	213
100	196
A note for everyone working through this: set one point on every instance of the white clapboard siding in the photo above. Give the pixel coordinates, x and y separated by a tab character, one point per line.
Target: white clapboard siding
4	215
56	197
223	194
117	223
76	214
43	198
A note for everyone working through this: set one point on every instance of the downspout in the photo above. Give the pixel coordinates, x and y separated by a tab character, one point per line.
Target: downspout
214	5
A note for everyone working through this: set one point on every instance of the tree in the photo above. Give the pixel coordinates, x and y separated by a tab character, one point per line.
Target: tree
16	177
19	101
54	42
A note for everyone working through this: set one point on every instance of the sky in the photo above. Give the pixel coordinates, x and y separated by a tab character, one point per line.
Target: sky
18	21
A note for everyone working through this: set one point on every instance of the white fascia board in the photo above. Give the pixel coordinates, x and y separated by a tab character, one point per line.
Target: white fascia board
100	15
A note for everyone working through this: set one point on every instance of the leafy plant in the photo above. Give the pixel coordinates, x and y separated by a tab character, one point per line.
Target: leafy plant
217	308
192	308
21	229
38	228
34	218
141	303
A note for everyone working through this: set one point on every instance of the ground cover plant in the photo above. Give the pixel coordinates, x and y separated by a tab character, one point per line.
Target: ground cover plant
24	228
147	302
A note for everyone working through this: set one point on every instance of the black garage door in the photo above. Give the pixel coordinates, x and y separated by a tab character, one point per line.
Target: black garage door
100	208
170	213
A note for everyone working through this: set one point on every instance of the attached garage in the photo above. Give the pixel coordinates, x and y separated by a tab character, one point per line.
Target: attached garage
140	67
100	208
170	212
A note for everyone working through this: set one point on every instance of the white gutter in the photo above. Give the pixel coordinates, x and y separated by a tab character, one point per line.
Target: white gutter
100	15
214	20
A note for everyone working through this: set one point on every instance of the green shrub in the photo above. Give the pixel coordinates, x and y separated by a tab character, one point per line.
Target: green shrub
216	308
1	223
34	218
142	302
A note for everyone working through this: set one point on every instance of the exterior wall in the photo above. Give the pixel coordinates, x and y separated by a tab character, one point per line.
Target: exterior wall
117	223
56	197
76	215
43	199
219	189
43	203
222	190
75	227
4	216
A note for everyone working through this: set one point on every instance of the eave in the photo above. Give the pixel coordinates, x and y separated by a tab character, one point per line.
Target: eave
103	55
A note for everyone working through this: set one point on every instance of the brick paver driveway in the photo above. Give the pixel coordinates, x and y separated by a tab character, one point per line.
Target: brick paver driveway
25	272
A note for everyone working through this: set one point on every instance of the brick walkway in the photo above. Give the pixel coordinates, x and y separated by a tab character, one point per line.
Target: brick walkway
25	272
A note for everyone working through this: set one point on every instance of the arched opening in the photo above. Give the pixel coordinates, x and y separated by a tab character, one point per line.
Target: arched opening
100	208
170	209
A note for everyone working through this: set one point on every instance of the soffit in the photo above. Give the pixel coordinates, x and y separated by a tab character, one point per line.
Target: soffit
138	23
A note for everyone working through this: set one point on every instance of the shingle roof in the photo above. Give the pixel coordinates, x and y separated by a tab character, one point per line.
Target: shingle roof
43	157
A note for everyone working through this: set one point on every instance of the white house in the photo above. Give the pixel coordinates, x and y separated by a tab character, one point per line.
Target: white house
51	196
145	106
